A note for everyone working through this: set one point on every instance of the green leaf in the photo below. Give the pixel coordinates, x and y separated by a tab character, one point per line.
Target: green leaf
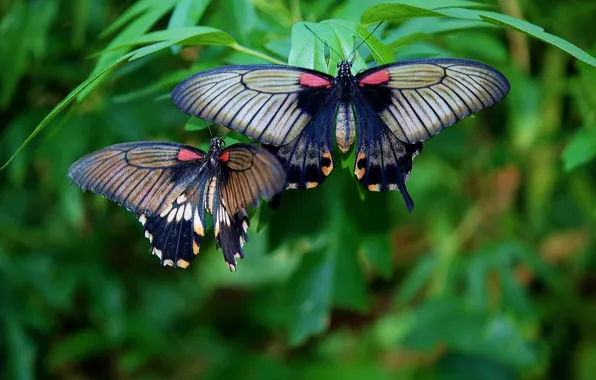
581	149
405	9
417	279
537	32
377	251
311	294
420	29
192	35
65	102
450	9
187	13
21	350
307	50
381	54
196	124
149	12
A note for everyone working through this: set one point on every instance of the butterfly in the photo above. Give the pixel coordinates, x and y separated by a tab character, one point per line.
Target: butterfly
170	186
390	110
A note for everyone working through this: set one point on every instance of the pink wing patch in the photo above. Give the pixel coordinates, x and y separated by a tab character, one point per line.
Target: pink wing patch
225	156
311	80
376	78
188	155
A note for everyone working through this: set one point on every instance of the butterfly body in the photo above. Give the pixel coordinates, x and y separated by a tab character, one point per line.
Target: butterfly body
170	186
388	111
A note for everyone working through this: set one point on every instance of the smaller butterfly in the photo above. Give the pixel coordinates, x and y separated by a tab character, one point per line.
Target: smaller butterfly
170	185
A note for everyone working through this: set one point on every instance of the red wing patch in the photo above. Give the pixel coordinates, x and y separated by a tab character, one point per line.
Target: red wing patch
188	155
311	80
378	77
225	156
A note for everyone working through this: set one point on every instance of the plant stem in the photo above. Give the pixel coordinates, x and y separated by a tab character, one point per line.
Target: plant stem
243	49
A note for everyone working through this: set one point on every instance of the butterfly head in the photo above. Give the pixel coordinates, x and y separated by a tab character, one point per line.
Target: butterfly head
216	144
344	69
215	149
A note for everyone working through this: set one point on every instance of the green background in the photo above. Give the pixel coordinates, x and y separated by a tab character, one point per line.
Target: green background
493	276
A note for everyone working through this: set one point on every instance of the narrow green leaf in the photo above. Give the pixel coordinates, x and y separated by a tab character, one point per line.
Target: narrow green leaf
402	10
132	12
581	148
398	10
186	13
154	12
64	103
537	32
420	29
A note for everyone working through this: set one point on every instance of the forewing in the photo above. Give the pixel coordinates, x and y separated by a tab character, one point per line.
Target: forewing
145	177
269	103
382	161
250	173
418	99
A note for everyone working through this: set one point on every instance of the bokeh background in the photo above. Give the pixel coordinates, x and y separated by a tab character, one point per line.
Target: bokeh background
493	276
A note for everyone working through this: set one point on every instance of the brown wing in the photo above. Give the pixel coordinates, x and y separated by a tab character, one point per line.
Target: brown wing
418	99
145	177
250	173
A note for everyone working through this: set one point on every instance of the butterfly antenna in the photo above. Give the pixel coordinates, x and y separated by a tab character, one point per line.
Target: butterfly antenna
363	41
324	42
209	128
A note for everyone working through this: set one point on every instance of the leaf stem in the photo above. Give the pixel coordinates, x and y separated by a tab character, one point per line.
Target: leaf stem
243	49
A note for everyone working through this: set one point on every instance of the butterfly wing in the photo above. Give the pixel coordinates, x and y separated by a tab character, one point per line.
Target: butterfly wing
161	182
268	103
383	162
308	159
145	177
418	99
250	173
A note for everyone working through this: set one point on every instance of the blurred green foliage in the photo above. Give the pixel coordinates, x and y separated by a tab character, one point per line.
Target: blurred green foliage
493	276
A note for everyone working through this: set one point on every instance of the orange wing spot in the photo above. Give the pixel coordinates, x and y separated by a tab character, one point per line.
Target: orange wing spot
188	155
225	156
375	187
310	185
195	247
311	80
360	171
168	263
375	78
182	263
326	169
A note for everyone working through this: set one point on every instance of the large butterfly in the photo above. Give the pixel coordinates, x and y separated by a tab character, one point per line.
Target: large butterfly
170	186
392	109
